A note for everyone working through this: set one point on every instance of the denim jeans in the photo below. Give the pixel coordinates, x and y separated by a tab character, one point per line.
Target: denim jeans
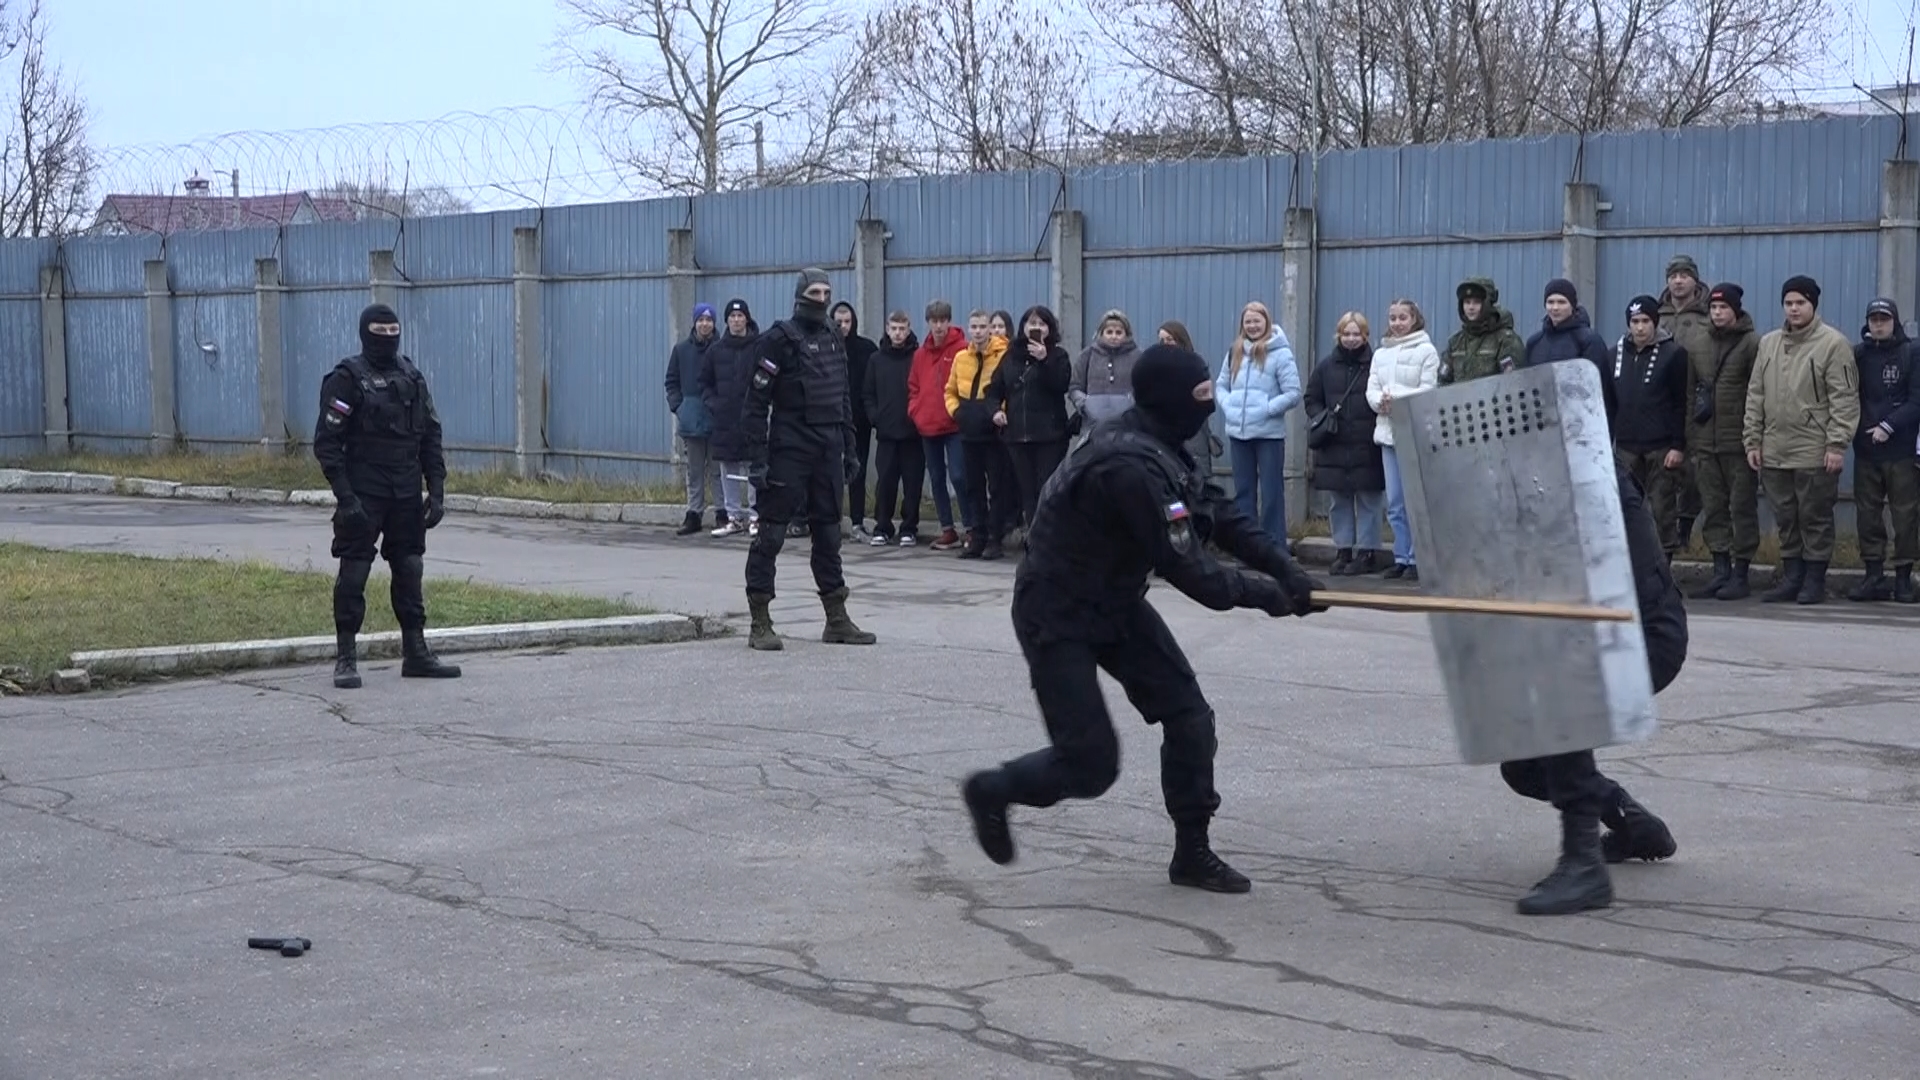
946	462
1397	509
1356	519
1259	468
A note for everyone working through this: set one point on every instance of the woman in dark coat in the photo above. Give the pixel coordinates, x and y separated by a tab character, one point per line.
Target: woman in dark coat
1029	389
724	372
1346	461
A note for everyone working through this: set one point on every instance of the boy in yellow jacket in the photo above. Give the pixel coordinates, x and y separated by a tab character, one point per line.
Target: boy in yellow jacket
989	470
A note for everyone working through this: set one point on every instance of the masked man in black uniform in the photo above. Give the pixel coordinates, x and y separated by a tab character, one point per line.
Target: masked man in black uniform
377	438
1127	504
1573	782
798	423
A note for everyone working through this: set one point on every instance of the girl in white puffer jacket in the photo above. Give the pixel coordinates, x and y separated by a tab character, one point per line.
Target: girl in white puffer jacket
1405	363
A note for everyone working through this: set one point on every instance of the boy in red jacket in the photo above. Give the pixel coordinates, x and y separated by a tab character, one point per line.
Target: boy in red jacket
927	401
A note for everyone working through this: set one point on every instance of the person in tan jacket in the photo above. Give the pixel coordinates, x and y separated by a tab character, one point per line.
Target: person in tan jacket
1803	405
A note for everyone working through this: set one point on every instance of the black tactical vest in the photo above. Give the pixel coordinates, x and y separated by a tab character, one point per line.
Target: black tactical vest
1071	542
392	417
819	361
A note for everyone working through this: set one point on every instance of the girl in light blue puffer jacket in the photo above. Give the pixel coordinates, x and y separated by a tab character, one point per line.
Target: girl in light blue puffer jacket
1258	385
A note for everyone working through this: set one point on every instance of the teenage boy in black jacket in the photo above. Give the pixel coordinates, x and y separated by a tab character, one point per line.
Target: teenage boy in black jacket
900	457
1650	430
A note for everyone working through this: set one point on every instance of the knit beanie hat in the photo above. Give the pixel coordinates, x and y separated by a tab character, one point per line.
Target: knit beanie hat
700	310
1562	287
1729	294
1683	264
1805	286
1644	305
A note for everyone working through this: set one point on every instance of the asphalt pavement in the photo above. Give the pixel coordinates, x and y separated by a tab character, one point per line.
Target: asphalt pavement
700	861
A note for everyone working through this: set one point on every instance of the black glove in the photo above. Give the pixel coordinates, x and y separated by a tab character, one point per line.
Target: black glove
435	509
351	515
1299	587
757	475
851	466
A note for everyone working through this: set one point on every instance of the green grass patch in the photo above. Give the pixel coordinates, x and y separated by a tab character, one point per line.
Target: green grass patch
299	472
60	602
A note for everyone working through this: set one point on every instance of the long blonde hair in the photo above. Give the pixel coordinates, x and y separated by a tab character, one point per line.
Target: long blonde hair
1242	348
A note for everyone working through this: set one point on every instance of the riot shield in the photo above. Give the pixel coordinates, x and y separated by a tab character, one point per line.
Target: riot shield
1511	494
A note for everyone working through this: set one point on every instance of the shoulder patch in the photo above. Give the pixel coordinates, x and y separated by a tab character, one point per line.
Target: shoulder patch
771	367
1176	511
340	407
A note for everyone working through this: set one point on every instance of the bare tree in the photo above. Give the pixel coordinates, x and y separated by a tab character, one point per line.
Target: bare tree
680	110
1293	74
976	85
46	167
378	198
847	133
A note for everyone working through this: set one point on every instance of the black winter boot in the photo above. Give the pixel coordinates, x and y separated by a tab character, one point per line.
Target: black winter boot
1633	832
1722	573
1737	586
1343	563
346	669
417	661
1903	591
1196	866
841	629
761	636
1814	589
720	517
1579	881
1366	562
1793	574
1873	587
690	526
986	800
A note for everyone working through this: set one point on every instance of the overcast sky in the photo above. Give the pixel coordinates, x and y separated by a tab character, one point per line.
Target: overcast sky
173	71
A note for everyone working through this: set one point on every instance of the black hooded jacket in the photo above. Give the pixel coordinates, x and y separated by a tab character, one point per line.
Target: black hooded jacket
859	351
883	389
724	372
1889	395
1651	385
1570	341
1351	461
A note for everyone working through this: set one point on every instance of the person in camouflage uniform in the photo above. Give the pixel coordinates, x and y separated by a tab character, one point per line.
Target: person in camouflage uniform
1716	412
1683	314
1486	343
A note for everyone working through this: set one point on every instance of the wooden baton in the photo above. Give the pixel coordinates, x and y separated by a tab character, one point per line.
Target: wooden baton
1539	609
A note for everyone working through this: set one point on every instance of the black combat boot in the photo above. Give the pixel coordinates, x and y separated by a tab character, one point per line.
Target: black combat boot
841	629
1366	562
1903	592
1343	563
1793	574
1196	866
1737	586
1633	832
994	550
1874	587
417	661
346	668
1722	573
1579	881
761	635
986	799
720	517
1814	589
690	526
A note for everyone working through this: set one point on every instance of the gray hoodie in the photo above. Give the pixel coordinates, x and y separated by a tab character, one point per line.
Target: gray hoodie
1102	383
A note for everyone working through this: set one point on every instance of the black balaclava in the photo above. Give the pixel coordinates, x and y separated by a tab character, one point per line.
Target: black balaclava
805	310
1163	382
378	348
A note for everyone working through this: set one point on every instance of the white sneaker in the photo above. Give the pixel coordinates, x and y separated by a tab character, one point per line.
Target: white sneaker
753	529
879	540
731	528
908	540
859	535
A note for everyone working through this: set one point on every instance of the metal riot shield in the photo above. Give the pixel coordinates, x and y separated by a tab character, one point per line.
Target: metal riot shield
1511	494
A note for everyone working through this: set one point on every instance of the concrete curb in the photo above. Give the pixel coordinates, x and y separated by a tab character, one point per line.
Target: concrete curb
230	655
26	481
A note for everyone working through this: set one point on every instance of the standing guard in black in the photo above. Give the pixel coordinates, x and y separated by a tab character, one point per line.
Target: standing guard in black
377	439
801	454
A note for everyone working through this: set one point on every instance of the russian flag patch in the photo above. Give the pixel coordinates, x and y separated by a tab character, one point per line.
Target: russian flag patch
341	407
1176	511
772	368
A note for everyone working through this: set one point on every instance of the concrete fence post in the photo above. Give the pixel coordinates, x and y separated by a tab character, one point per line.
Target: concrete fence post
1299	256
275	431
529	357
164	426
1067	277
58	424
